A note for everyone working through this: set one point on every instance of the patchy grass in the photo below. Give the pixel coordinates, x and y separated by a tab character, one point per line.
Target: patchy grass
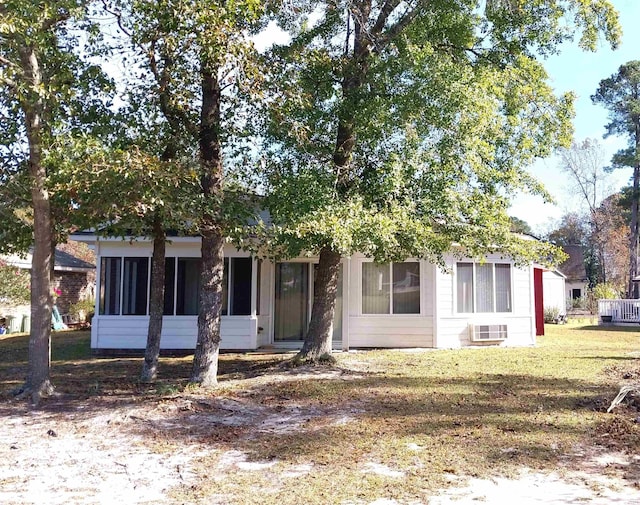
377	424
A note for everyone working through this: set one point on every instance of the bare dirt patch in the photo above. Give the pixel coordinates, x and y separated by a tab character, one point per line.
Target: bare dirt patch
103	450
380	427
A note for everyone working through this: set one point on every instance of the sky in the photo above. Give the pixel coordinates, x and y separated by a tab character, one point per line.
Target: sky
581	72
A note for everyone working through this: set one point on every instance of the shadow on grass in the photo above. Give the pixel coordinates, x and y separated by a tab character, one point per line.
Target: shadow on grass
612	328
329	421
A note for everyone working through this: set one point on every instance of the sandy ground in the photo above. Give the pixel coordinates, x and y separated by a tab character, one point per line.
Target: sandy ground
94	452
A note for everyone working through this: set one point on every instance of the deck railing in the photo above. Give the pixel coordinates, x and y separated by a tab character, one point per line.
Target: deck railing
619	311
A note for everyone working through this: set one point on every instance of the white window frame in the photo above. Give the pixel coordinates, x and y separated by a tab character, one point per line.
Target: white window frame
122	259
391	313
473	287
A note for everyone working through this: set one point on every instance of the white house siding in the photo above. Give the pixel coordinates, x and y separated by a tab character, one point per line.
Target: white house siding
453	328
396	330
554	295
437	325
178	332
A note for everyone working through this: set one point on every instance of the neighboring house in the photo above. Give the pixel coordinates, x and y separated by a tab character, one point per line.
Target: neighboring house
555	291
408	304
74	274
574	270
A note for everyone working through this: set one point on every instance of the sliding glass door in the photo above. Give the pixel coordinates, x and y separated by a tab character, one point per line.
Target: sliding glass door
291	301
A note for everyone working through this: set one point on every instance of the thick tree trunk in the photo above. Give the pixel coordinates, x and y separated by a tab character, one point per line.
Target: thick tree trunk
205	360
317	342
38	383
156	304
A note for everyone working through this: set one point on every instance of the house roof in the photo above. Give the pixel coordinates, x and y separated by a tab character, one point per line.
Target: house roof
573	267
64	261
67	261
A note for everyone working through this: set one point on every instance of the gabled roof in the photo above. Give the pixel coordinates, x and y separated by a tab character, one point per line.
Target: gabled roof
573	267
65	261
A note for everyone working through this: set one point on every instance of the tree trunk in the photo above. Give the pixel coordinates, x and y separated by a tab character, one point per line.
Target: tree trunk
633	236
38	383
205	360
156	303
317	342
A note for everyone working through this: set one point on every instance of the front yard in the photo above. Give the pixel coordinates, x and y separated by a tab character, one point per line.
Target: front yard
392	427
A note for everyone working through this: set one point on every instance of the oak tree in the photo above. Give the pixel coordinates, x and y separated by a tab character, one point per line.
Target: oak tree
49	96
402	129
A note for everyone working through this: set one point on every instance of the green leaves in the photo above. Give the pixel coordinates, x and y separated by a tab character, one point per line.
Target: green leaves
404	131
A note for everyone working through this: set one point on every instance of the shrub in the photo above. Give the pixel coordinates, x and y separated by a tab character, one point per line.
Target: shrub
602	291
15	284
83	308
551	314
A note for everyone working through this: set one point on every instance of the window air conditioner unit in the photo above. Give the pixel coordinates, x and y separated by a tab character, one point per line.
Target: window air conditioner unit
488	332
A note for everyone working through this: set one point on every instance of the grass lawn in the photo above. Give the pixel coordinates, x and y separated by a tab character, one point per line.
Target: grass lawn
394	424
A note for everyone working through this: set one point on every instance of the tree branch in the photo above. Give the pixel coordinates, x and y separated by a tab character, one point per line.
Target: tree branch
396	29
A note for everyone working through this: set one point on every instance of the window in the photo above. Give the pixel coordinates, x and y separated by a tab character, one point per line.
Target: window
124	286
185	289
483	287
576	293
188	286
236	287
135	282
110	286
391	288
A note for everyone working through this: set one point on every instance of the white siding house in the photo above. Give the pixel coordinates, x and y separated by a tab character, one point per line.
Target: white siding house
408	304
555	291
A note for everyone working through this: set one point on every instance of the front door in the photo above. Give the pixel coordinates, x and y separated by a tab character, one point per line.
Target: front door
293	302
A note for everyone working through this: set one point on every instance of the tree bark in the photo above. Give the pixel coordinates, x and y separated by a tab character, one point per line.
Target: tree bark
156	303
317	343
633	235
205	360
38	382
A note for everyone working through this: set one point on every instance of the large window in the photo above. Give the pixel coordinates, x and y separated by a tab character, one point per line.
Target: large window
391	288
124	286
483	287
236	287
110	286
188	286
185	290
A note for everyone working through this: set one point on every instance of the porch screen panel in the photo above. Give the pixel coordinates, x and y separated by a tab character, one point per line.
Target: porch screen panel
135	284
188	286
169	286
464	285
503	288
484	287
110	286
406	288
376	295
291	301
240	286
225	288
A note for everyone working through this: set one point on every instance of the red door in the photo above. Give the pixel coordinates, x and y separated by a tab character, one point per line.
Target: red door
538	300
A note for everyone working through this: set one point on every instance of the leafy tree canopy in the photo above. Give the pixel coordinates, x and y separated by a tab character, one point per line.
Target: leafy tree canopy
398	130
